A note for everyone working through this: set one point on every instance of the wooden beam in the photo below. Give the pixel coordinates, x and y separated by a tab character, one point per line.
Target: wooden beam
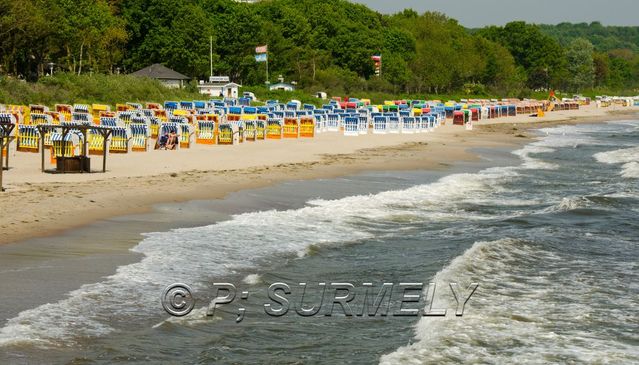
6	129
1	159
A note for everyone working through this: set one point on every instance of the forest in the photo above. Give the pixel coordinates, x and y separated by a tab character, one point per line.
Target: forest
321	45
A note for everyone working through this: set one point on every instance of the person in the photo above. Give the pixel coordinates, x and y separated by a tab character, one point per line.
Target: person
163	140
172	142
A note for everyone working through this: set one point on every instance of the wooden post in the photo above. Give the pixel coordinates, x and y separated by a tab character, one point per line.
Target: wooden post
5	129
105	135
85	141
41	149
1	159
65	131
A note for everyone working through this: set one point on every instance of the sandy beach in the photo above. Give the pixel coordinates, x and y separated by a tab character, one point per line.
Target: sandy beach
38	204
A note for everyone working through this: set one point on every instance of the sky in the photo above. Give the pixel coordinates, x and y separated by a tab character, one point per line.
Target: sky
477	13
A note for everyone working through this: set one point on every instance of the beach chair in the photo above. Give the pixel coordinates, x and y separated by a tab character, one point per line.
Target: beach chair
81	108
125	116
291	128
8	119
109	122
351	126
65	110
380	124
250	130
319	122
393	124
139	137
120	137
422	120
122	107
95	143
228	134
307	126
96	140
333	122
97	110
186	134
41	118
205	132
260	129
171	105
274	128
475	114
81	118
154	126
28	138
293	105
408	125
186	105
362	124
46	119
458	118
56	117
165	129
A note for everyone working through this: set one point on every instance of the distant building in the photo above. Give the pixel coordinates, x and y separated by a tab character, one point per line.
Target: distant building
282	86
165	75
219	86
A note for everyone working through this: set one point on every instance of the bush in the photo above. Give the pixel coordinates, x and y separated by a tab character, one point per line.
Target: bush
64	88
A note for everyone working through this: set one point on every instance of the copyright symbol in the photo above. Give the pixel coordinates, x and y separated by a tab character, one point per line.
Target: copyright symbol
177	300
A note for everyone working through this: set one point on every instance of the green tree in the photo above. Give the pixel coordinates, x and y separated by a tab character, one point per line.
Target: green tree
580	64
540	55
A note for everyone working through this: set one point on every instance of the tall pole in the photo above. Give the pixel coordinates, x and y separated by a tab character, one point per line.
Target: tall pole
211	53
267	67
2	158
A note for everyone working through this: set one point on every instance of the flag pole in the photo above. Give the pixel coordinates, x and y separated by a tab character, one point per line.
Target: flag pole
266	67
211	54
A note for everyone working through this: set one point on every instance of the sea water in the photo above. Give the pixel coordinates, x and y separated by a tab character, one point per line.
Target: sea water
551	239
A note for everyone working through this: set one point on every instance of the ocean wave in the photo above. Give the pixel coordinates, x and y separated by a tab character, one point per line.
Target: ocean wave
195	255
569	203
522	311
627	157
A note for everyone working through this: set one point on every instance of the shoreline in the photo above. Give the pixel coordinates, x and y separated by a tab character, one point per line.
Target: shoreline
49	207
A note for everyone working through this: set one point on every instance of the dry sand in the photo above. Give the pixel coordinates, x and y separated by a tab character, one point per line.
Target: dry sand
38	204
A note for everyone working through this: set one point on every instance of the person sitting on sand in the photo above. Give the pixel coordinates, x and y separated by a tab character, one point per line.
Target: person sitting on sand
172	142
163	140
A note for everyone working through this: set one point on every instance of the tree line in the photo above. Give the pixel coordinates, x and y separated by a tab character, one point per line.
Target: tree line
322	45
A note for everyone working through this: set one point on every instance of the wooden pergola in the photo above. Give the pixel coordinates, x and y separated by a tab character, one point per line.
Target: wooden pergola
105	132
5	134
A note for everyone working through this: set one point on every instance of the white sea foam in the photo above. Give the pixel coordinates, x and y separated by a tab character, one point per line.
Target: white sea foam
568	204
513	317
627	157
195	255
252	279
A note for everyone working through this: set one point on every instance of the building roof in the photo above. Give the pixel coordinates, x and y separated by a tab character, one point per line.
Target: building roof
160	72
281	85
215	84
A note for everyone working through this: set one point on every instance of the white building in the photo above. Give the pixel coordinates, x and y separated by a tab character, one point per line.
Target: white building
282	86
219	86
